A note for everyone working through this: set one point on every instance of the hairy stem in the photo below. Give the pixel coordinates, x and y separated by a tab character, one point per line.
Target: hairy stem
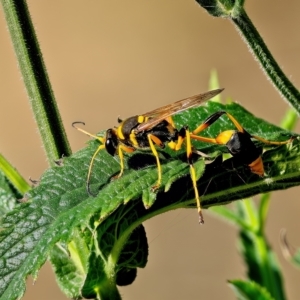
36	80
269	65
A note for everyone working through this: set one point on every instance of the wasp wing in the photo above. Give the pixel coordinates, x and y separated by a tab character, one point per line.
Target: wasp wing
159	114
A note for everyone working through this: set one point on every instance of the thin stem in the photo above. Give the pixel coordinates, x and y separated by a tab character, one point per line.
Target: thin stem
265	59
13	176
269	277
263	210
36	80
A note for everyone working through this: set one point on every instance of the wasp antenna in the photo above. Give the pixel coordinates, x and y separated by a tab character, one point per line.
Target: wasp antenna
78	122
85	132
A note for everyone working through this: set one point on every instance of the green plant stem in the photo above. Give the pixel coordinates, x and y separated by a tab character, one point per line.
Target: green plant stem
259	257
36	80
13	176
263	209
265	58
267	272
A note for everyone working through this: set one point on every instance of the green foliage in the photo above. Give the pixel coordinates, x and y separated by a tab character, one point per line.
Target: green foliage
96	243
8	195
70	263
262	266
249	290
93	239
20	186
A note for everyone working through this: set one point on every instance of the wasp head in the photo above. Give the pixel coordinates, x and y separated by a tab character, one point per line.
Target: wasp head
111	142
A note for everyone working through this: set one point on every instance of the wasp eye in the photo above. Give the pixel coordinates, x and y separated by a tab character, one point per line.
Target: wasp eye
111	142
110	147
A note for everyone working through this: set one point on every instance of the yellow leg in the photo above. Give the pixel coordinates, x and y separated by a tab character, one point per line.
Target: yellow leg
184	134
209	121
193	174
214	117
179	143
235	122
121	156
152	139
273	143
221	139
122	148
203	139
170	120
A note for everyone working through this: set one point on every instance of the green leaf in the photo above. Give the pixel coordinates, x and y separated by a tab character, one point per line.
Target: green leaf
262	264
263	209
60	207
110	261
229	215
261	261
289	120
249	290
7	196
13	177
70	263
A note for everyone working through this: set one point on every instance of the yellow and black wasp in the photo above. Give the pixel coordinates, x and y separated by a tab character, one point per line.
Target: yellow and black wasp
156	129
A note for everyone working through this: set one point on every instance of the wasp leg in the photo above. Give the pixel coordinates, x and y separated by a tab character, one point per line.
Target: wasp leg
193	173
214	117
176	145
122	148
273	142
171	121
209	121
155	140
184	134
224	136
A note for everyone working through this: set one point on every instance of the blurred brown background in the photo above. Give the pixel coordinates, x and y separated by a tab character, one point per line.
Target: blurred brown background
111	58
